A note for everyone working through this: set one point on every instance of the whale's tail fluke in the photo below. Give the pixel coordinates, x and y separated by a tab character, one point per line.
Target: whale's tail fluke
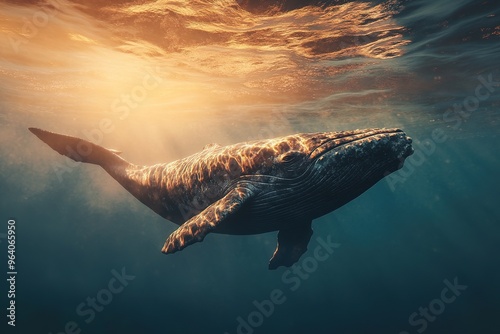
80	149
130	176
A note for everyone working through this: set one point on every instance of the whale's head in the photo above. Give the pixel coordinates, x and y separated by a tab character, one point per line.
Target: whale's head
348	161
360	152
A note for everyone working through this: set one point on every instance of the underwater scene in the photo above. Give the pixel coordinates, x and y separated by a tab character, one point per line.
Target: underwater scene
414	248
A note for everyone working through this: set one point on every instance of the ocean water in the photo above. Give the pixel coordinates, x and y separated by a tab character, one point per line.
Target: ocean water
417	253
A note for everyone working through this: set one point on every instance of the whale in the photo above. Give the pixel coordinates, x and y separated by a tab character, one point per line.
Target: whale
280	184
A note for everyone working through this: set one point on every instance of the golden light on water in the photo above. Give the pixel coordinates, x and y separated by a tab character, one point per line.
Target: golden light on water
167	64
78	37
216	44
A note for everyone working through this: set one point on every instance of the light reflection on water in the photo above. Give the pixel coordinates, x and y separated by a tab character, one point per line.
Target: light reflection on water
211	55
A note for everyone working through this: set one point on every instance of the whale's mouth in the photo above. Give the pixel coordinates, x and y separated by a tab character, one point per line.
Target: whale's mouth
342	139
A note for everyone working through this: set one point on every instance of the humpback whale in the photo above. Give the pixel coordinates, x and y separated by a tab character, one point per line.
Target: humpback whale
260	186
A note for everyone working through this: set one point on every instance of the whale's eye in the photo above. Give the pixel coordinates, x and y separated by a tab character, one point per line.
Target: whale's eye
289	157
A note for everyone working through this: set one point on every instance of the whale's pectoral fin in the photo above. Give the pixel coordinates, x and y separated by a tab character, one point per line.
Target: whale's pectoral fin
292	243
196	228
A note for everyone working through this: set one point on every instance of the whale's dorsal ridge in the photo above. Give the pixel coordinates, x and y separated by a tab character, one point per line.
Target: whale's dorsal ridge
211	145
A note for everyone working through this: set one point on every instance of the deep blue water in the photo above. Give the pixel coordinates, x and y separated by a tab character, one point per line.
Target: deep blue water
227	74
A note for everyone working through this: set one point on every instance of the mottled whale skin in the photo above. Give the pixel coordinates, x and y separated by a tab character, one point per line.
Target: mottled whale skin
278	184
